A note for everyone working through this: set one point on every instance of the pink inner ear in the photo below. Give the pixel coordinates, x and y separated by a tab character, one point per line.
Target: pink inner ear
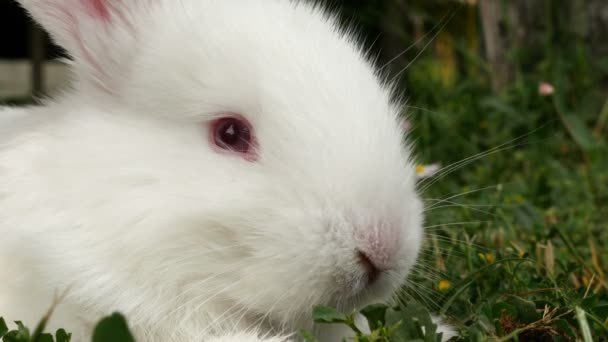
99	8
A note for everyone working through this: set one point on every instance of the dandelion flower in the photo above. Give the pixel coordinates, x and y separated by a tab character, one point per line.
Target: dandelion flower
427	171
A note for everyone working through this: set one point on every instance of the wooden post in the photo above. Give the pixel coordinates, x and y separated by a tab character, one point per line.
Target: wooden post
495	43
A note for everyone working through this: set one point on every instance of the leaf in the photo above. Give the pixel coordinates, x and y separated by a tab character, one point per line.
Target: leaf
497	310
22	328
22	334
581	317
13	336
589	302
526	310
375	315
3	327
580	133
574	124
112	329
416	323
325	314
601	311
307	336
62	336
563	325
44	338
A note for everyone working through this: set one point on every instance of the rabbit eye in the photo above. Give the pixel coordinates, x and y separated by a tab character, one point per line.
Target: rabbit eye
233	134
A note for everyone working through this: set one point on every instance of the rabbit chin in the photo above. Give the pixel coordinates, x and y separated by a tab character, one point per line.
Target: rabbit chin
352	298
288	306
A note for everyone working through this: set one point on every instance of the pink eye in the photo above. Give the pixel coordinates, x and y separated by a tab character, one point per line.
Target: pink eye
234	134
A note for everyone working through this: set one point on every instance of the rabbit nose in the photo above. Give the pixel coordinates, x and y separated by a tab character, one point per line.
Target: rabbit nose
377	249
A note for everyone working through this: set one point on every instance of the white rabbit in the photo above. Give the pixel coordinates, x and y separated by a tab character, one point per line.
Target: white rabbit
219	167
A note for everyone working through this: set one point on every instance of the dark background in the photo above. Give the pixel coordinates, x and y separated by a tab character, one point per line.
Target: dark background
15	29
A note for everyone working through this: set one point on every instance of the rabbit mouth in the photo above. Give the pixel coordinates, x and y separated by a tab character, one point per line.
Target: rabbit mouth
367	287
371	276
372	272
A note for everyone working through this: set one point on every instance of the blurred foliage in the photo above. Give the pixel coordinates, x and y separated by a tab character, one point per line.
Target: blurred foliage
517	237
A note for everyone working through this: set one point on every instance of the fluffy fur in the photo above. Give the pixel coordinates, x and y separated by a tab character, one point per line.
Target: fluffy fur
113	191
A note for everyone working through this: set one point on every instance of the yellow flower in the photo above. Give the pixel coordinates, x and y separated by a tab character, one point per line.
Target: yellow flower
490	258
487	257
444	285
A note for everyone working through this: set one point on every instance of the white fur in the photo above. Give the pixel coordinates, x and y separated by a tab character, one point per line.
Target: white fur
114	191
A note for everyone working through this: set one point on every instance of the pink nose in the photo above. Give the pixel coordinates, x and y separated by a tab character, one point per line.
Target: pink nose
377	250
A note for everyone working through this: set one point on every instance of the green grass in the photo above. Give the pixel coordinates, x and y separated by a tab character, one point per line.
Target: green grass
539	199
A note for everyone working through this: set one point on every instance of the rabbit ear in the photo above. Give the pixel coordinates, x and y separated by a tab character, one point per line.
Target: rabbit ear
96	33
